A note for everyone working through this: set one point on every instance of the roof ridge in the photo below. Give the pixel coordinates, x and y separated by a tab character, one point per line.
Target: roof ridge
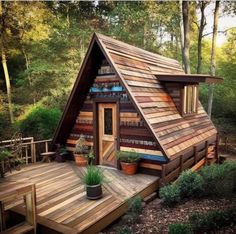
101	36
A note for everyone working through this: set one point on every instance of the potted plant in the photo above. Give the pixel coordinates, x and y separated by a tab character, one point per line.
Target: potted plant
90	157
93	179
4	154
61	153
18	163
79	153
128	161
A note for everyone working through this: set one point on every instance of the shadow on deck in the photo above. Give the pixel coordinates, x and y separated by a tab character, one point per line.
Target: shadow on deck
61	200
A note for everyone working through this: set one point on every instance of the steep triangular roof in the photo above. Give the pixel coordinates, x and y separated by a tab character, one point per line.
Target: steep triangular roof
137	70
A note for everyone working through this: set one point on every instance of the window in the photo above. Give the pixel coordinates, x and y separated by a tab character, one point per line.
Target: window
190	99
108	121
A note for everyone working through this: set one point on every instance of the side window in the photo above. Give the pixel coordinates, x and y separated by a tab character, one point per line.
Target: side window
190	99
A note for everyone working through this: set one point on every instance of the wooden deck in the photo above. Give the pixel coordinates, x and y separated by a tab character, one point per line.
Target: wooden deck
61	198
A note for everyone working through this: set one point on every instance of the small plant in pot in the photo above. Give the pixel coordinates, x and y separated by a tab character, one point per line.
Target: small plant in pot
128	161
93	179
18	163
4	155
61	153
90	157
79	153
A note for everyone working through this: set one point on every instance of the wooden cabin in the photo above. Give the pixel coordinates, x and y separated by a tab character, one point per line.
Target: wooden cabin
126	98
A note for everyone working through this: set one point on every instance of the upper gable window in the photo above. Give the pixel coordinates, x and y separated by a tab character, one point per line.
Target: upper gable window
190	99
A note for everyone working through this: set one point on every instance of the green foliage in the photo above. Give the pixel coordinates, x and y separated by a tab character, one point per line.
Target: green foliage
93	176
170	194
212	221
219	180
127	156
124	230
180	228
80	146
4	153
190	184
135	205
214	180
40	122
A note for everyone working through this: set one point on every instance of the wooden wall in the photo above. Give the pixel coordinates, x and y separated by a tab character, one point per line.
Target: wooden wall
134	135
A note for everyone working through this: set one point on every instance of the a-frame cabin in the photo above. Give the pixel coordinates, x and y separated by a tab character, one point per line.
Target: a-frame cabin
126	98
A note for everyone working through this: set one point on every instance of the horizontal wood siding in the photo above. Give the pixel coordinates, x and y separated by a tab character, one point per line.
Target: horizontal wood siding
134	134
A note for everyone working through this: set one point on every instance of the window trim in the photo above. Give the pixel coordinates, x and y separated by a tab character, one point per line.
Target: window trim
184	97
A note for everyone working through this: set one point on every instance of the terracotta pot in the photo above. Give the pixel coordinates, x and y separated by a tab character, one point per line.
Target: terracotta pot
129	168
94	192
80	160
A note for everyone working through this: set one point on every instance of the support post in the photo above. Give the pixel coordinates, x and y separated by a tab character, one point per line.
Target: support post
46	146
206	151
181	163
217	148
163	174
2	217
195	154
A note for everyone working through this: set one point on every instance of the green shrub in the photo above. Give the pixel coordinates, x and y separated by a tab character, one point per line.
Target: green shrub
40	122
135	205
124	230
190	184
213	220
4	153
180	228
219	180
93	176
170	194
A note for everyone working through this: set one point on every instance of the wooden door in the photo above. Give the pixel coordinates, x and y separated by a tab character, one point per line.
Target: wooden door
107	128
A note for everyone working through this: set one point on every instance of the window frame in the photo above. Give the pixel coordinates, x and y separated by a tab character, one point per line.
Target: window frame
185	105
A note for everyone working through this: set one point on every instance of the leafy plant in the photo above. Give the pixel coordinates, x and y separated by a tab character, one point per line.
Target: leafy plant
135	205
81	147
90	156
124	230
93	176
219	180
170	194
213	220
180	228
190	184
40	122
4	154
127	156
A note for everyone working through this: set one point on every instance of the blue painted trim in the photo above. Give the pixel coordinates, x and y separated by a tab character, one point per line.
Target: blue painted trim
153	157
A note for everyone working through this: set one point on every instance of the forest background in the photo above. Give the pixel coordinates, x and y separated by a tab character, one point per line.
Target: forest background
44	43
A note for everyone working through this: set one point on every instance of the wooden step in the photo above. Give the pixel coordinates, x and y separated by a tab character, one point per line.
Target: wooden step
19	229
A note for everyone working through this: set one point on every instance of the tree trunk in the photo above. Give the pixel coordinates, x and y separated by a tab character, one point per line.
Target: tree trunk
181	30
8	85
213	61
5	68
201	28
185	9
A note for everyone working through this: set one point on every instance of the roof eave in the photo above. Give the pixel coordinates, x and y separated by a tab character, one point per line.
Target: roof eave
189	78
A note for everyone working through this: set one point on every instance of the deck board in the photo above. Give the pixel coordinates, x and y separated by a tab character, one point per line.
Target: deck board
61	200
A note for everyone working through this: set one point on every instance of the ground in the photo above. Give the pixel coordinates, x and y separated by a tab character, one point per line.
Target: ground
155	217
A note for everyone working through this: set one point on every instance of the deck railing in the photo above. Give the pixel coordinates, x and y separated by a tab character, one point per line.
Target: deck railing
30	150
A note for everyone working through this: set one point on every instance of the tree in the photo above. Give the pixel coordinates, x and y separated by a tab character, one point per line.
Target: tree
3	13
186	62
213	60
202	5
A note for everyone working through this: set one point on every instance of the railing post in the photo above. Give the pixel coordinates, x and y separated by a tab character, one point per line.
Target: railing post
181	163
163	174
195	154
206	151
217	148
46	146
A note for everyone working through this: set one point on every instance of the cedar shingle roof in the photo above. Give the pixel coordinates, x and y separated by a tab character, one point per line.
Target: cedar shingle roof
137	70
